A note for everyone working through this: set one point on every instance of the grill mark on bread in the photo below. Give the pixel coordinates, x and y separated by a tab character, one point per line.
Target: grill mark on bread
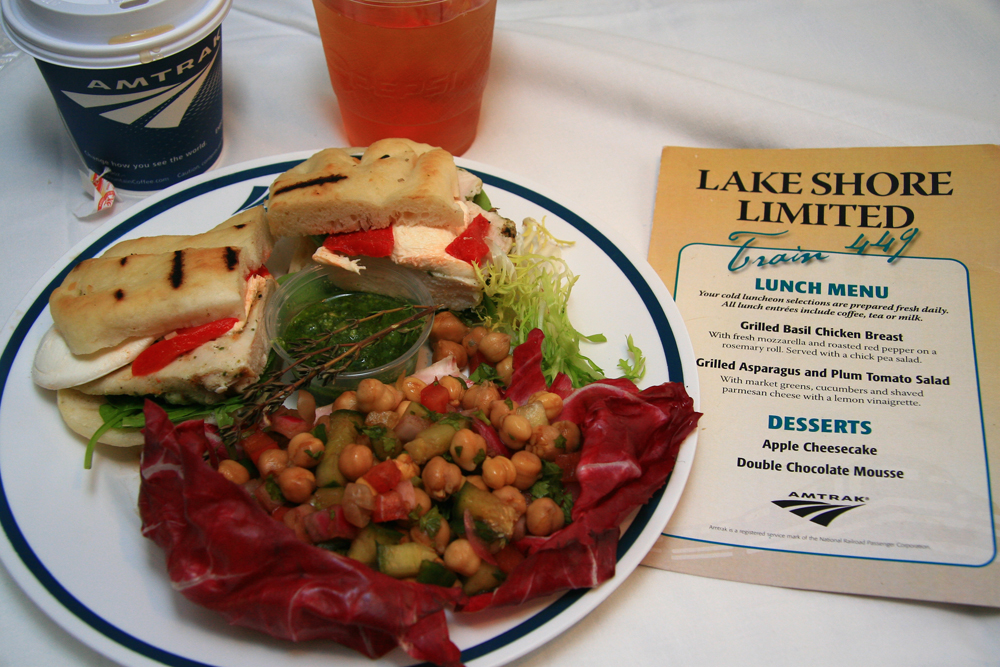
323	180
177	272
119	294
232	258
123	261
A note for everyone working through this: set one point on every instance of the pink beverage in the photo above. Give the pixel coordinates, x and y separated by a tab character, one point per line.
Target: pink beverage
408	68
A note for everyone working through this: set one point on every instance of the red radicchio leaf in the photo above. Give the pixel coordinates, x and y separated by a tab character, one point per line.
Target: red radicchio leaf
225	553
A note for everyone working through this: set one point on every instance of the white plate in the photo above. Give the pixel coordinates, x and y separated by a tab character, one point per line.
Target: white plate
72	536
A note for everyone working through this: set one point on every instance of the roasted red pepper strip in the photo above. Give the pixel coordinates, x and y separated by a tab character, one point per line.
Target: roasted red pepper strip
470	246
159	355
370	243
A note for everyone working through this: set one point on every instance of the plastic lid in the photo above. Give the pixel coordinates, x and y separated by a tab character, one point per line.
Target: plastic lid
99	34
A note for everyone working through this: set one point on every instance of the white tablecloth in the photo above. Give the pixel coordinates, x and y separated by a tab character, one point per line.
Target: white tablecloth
582	96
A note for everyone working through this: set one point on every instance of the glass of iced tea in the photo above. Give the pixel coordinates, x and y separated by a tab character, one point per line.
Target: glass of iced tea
408	68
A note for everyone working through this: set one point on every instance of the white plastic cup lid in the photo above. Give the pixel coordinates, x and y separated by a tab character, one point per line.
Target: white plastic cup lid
99	34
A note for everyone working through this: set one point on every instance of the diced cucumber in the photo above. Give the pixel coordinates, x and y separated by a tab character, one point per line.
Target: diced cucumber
432	572
486	578
364	547
432	441
403	560
344	428
485	507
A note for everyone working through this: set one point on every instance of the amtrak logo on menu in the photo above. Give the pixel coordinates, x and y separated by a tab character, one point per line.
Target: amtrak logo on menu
129	108
820	508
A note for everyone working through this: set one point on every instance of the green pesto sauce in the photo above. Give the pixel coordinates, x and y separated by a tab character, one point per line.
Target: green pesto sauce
325	316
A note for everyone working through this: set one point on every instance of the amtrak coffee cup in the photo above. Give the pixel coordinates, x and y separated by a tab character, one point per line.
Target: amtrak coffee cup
138	83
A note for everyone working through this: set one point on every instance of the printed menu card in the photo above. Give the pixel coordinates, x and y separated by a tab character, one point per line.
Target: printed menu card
843	305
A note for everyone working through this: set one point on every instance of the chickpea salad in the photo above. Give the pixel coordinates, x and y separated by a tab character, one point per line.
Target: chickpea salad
363	521
430	482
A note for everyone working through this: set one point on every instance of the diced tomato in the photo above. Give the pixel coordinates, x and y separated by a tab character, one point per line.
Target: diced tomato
160	354
279	512
470	246
370	243
259	271
384	477
328	525
255	444
435	397
288	423
389	507
270	504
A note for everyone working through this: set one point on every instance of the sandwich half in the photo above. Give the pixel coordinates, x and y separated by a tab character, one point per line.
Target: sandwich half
178	317
401	203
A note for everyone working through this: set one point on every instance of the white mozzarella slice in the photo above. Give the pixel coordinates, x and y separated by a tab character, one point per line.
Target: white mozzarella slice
55	367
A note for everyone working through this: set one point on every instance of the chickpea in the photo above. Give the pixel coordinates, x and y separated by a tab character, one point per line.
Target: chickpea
498	472
375	396
305	405
477	481
234	471
544	517
355	460
500	409
411	387
480	396
403	406
446	348
546	443
447	326
455	387
441	479
423	501
572	437
511	496
528	467
505	369
407	467
460	558
468	449
471	340
515	431
346	401
297	484
305	450
439	541
494	346
272	462
552	403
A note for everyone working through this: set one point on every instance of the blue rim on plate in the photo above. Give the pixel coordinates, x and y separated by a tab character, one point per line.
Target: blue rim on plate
37	569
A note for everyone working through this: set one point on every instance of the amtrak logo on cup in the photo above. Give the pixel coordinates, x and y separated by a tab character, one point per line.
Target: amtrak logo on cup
130	108
149	125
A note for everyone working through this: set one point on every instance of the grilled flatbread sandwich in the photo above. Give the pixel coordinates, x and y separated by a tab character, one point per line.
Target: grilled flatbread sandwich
401	203
179	317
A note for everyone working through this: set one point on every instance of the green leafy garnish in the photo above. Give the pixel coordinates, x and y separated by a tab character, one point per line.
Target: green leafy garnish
634	367
532	291
549	485
126	412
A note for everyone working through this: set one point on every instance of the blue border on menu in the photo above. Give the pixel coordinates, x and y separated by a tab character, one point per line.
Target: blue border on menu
82	612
